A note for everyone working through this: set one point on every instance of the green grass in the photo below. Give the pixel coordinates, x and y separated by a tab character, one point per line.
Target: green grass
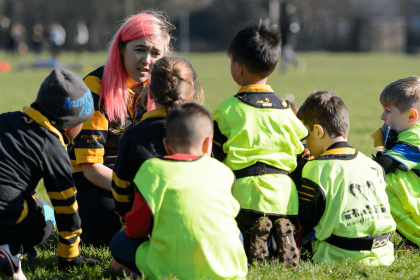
357	78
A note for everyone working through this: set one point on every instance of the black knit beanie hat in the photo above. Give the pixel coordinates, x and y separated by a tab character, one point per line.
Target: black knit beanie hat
65	99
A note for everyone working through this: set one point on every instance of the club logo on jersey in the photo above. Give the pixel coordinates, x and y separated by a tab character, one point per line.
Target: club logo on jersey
265	103
28	120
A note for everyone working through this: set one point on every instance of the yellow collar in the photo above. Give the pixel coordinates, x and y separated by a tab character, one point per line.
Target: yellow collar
43	121
256	88
340	151
157	113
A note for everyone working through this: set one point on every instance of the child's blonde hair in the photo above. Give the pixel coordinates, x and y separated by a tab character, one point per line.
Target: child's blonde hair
173	79
403	94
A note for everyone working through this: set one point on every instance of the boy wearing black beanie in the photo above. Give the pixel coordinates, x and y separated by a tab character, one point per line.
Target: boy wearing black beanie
33	146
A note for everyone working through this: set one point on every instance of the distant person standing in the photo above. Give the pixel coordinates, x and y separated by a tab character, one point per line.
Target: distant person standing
289	27
57	37
82	38
37	39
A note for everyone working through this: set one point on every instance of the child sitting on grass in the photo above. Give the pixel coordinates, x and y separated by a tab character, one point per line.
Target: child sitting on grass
401	106
174	81
342	192
183	201
258	136
33	147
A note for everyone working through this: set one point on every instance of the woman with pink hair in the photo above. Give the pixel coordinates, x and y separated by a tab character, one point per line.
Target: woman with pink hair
117	89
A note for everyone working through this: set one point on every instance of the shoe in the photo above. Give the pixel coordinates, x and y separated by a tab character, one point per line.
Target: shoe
285	246
407	246
10	265
258	242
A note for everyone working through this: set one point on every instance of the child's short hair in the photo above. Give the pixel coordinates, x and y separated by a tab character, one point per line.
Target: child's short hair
403	94
257	47
188	124
292	106
325	108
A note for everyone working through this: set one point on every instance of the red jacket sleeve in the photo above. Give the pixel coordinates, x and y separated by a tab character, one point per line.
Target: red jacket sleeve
139	219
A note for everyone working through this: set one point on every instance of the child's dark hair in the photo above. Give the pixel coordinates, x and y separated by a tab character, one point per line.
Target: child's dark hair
257	48
188	124
325	108
403	94
292	106
173	80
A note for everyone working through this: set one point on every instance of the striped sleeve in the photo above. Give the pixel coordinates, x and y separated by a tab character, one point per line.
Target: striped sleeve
125	169
311	204
60	188
89	145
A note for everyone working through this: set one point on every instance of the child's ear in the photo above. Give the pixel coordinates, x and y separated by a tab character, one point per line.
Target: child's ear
414	115
319	131
208	145
167	148
239	68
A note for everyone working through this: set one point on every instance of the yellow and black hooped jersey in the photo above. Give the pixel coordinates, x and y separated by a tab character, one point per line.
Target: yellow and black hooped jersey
140	143
99	139
31	148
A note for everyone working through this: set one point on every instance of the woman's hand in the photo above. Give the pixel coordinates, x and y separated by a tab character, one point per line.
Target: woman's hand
98	174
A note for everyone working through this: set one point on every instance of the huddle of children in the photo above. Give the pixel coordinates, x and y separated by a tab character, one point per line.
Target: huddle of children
193	216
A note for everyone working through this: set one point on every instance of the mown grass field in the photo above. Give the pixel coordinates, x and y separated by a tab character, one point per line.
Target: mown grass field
357	78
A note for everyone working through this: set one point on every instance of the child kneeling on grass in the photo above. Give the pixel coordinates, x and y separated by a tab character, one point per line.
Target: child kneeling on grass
33	146
401	107
342	193
258	136
173	82
183	201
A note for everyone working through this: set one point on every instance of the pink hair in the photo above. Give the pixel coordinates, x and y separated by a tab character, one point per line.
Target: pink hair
114	93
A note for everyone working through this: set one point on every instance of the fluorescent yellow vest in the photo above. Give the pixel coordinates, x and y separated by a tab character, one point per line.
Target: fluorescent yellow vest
356	206
194	233
403	188
265	135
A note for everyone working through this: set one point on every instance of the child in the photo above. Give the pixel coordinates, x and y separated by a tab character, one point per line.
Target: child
174	81
33	146
342	193
187	198
258	137
401	104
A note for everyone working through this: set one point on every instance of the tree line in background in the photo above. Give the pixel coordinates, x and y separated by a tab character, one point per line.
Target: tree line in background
345	25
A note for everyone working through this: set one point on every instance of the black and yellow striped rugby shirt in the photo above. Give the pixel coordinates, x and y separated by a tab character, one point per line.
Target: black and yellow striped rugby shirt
140	143
32	149
99	139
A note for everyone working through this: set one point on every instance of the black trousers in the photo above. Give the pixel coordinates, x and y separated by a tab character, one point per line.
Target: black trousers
247	218
97	211
31	231
123	249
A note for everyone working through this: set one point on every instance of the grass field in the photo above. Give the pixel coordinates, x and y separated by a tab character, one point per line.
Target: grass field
357	78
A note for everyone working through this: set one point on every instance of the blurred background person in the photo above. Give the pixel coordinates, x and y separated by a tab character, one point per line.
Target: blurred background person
82	38
289	27
37	40
57	38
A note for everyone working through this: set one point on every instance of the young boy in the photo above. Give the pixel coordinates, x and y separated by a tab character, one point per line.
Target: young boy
33	146
183	201
401	104
342	193
258	136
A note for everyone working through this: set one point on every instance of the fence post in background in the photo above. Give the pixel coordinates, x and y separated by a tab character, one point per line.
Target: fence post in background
184	30
274	11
